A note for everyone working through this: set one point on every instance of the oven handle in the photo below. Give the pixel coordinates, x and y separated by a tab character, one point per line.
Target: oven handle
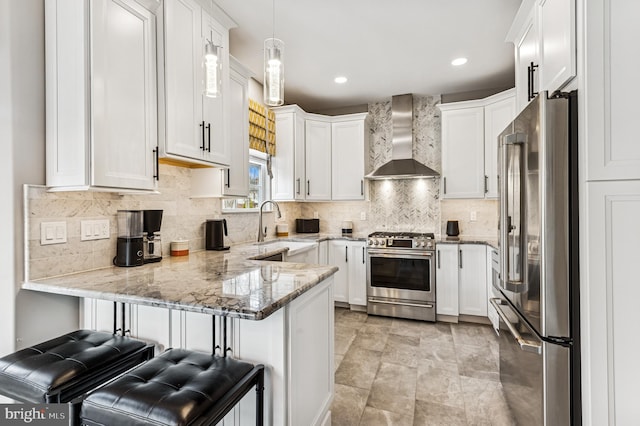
416	305
525	345
399	254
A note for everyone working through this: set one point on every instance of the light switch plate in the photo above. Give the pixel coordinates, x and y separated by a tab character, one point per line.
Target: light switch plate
473	216
363	215
94	229
53	233
315	215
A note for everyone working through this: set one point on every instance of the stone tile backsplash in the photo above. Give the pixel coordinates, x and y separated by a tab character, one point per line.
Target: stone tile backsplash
394	205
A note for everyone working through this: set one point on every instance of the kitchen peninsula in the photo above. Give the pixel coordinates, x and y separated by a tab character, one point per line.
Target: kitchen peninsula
277	313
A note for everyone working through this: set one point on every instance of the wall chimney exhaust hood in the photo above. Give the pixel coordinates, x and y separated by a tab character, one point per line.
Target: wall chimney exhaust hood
402	164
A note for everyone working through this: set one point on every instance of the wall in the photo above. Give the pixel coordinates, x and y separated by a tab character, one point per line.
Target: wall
27	317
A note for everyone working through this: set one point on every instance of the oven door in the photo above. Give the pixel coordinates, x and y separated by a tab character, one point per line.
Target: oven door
400	274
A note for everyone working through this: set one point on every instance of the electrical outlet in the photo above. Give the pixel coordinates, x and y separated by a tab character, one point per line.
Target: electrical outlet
315	215
363	215
473	216
53	233
94	229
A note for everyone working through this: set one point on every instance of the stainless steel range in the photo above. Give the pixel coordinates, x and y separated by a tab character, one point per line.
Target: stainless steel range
401	275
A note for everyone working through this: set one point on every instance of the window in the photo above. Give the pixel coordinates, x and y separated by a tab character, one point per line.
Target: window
259	186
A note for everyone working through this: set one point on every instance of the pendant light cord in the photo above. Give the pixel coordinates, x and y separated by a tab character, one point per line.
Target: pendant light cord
273	7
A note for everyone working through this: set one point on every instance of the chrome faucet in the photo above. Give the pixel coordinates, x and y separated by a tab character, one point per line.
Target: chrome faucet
262	232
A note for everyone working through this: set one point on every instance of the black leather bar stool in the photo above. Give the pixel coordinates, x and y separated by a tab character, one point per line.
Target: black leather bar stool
68	366
179	387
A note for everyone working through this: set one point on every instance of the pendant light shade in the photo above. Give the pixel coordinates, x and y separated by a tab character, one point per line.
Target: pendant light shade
213	70
273	72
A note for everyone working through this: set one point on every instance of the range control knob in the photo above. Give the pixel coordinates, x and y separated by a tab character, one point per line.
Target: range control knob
370	242
429	244
422	244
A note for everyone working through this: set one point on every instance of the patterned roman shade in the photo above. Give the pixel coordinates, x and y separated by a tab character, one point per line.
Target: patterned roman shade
262	128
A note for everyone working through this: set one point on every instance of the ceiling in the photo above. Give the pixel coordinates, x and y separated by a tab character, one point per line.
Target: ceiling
384	48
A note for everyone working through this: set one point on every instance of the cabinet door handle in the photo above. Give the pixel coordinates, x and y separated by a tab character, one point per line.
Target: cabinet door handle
444	184
363	255
531	69
298	186
202	126
460	258
486	184
208	137
438	259
156	176
346	253
308	187
228	178
361	187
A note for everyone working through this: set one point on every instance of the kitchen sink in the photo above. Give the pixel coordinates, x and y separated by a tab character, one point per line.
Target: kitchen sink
293	246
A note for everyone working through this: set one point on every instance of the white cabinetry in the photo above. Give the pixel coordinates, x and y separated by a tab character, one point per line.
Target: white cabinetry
472	279
288	163
609	210
349	156
447	279
499	111
234	180
351	278
195	126
299	335
470	146
318	158
101	105
304	256
462	150
544	37
461	286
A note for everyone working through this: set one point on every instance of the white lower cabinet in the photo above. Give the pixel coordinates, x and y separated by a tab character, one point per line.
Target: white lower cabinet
295	344
472	277
461	282
351	278
447	279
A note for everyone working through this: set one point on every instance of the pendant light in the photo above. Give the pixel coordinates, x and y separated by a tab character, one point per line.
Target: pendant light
212	69
273	68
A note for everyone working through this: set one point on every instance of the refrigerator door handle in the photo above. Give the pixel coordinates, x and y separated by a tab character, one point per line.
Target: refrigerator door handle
525	345
506	226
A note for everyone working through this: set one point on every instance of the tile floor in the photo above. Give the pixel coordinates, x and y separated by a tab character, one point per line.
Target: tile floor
403	372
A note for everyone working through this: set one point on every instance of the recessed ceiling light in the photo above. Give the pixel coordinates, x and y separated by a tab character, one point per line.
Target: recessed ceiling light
340	79
459	61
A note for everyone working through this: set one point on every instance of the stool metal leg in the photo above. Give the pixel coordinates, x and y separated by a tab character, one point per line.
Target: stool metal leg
260	398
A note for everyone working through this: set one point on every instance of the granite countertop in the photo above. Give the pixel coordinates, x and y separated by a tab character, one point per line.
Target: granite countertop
492	242
217	283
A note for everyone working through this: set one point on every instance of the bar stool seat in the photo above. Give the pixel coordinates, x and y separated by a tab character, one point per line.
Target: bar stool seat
66	367
179	387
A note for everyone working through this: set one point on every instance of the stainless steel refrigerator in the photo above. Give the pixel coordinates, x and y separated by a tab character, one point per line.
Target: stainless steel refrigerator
539	280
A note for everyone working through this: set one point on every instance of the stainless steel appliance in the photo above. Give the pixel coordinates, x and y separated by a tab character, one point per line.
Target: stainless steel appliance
129	246
539	280
401	275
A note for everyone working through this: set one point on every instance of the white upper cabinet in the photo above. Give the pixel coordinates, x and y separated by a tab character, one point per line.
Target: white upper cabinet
288	164
544	37
318	158
349	156
557	43
234	180
101	105
470	146
499	111
462	150
612	107
195	126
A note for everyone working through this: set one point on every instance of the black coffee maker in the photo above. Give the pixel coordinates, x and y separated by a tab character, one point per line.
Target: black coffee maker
129	248
215	231
152	219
